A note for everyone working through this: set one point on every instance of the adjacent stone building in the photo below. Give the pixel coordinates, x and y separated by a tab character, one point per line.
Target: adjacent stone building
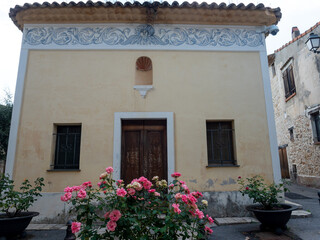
295	82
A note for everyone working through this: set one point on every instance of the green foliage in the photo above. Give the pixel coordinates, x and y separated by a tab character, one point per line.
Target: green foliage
5	121
260	192
13	202
145	214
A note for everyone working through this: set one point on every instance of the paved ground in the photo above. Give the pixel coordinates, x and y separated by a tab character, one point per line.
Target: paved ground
298	229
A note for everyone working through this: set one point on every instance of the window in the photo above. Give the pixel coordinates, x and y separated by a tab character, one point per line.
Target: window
67	152
291	134
315	121
273	70
288	80
220	143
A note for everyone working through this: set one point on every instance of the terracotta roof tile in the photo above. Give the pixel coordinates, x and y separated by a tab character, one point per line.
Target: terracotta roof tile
186	5
298	37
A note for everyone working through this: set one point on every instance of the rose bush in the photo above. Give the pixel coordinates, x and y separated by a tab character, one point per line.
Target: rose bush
14	202
142	209
260	192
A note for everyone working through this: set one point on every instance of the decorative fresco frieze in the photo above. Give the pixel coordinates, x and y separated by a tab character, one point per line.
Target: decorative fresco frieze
142	35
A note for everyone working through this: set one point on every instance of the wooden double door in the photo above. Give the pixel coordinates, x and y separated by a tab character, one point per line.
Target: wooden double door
143	149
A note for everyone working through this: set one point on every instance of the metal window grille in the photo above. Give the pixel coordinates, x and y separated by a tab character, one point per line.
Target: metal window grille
220	143
67	152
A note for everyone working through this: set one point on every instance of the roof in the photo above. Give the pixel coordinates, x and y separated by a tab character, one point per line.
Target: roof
298	37
146	12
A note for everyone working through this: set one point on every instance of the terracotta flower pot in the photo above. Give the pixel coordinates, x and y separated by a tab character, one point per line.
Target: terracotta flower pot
276	219
13	226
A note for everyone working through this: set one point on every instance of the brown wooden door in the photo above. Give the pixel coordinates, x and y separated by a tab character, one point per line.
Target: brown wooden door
284	163
143	149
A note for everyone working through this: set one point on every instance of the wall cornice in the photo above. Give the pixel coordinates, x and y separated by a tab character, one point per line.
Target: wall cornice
142	36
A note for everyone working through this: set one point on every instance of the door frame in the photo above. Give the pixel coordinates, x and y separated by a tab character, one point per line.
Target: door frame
118	116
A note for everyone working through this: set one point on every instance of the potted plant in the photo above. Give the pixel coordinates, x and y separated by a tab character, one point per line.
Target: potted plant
268	210
14	217
141	209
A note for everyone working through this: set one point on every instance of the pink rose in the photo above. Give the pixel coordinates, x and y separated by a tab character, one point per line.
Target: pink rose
109	170
75	227
147	184
111	225
82	194
115	215
87	184
176	174
121	192
176	208
171	186
76	188
197	194
208	230
151	190
142	179
119	182
157	194
199	213
247	188
210	219
106	215
131	191
184	199
66	197
178	195
68	189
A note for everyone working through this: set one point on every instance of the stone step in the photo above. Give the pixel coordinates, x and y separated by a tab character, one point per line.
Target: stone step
234	220
294	204
46	227
300	214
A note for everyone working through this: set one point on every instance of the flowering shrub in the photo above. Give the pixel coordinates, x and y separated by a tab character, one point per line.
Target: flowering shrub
14	202
260	192
143	209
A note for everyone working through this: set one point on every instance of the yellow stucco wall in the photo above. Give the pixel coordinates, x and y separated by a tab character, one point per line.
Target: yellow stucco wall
87	87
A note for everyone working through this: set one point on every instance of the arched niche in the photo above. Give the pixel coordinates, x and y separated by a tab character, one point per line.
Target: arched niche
144	75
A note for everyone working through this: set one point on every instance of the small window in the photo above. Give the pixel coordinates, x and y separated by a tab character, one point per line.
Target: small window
315	121
291	134
273	69
220	143
67	150
288	80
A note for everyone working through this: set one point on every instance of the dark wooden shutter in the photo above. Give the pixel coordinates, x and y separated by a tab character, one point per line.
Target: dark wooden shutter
286	84
220	143
292	87
284	163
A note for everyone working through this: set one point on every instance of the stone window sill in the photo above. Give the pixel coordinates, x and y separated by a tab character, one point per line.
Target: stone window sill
316	143
222	165
291	96
63	170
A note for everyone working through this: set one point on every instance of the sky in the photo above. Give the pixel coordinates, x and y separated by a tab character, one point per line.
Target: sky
303	14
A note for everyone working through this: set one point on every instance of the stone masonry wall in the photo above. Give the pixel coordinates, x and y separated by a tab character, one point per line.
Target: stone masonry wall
301	149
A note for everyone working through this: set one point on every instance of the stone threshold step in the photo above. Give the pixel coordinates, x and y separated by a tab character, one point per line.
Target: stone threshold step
234	220
294	204
300	214
33	226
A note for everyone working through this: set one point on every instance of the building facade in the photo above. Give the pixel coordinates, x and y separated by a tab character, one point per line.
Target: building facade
149	89
295	82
